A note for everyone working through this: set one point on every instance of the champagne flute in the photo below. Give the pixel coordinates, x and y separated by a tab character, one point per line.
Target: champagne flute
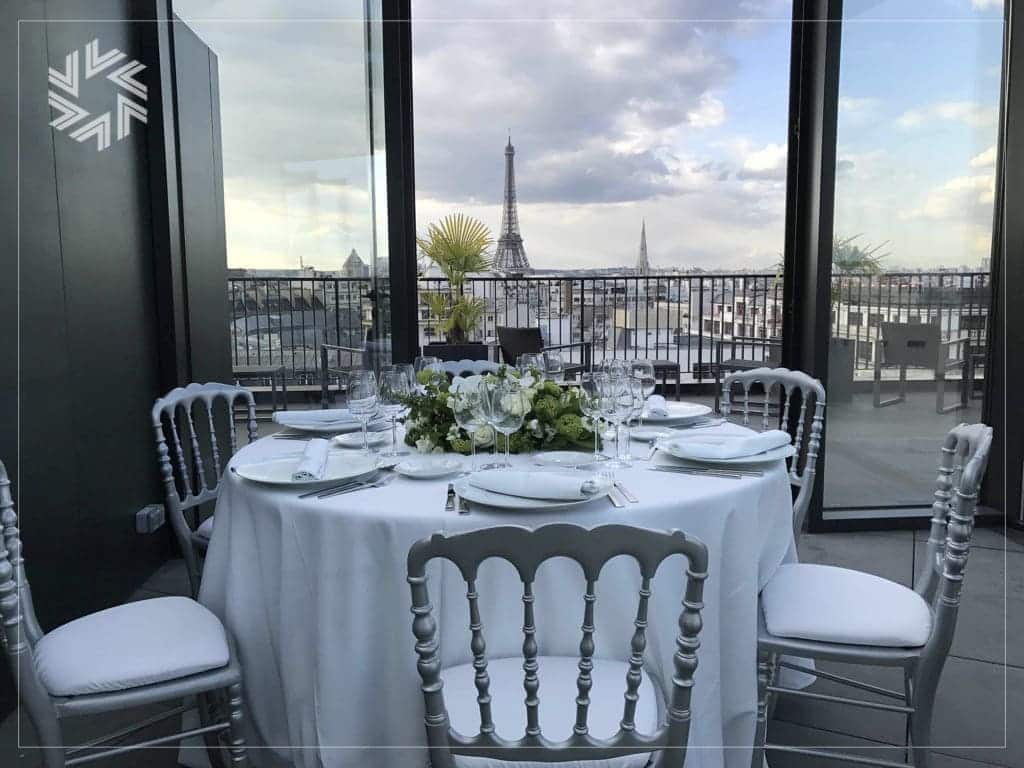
394	392
362	399
590	404
643	371
616	402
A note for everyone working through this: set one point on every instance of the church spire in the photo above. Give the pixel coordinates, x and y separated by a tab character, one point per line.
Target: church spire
643	266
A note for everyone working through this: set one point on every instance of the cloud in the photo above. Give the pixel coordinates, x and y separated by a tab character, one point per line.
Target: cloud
968	112
769	162
986	159
962	197
709	113
984	5
856	105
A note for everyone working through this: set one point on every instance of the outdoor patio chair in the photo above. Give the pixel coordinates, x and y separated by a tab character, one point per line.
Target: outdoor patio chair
920	345
453	368
743	354
783	382
826	613
132	655
624	735
520	341
186	476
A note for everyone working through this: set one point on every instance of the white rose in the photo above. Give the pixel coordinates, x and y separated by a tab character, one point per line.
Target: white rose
424	445
467	385
483	436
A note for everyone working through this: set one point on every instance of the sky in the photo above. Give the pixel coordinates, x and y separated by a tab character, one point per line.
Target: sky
672	112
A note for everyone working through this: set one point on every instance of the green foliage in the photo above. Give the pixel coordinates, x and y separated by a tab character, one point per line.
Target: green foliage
458	245
553	420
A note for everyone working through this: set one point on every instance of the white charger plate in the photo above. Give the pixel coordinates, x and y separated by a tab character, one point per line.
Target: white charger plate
646	434
476	495
775	454
678	413
355	439
428	467
340	466
564	459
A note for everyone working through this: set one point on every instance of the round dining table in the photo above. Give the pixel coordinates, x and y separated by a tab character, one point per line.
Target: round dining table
314	594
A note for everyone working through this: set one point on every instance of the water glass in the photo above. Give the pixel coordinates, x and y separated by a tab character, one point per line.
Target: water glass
504	406
394	393
554	368
616	404
362	399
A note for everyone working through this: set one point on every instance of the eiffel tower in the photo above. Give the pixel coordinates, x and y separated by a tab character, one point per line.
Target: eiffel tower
509	254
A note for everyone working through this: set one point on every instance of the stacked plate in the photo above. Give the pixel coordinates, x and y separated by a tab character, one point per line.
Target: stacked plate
329	422
532	490
716	448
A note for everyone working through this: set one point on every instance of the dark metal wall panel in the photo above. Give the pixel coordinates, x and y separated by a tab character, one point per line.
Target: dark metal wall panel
202	206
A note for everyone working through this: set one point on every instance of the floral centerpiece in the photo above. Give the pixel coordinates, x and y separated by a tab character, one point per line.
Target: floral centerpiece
552	419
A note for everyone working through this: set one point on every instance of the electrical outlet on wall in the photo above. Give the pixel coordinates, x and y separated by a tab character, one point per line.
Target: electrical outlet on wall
149	518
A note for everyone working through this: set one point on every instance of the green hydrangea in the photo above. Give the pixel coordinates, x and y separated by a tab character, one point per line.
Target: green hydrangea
570	426
460	445
547	408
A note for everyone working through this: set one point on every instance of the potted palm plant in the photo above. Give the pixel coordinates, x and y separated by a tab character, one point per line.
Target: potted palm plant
458	245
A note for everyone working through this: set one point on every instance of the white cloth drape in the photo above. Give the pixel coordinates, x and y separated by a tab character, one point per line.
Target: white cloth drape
314	594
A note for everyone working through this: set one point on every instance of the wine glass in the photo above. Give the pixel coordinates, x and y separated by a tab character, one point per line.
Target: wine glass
590	404
614	367
362	399
643	371
394	392
504	407
554	367
407	369
469	416
529	361
637	399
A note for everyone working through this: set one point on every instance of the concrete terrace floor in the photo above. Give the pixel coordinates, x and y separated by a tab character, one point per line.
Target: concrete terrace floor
981	693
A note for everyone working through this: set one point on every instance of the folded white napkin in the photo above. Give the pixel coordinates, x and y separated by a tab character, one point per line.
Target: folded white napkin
319	417
656	406
313	464
559	486
706	444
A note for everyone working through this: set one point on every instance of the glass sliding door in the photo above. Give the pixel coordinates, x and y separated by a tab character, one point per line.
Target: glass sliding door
299	95
918	118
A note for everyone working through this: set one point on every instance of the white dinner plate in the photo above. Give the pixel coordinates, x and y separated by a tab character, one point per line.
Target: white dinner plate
340	466
503	501
331	422
429	467
775	454
678	413
564	458
355	439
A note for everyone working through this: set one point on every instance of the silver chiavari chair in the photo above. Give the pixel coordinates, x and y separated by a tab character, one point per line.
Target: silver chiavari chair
807	439
187	478
627	734
836	614
132	655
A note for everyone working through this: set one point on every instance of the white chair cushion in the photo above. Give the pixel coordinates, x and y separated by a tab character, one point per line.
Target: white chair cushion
557	708
149	641
837	605
205	528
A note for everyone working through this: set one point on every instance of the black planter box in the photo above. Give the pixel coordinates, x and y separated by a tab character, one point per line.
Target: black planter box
473	350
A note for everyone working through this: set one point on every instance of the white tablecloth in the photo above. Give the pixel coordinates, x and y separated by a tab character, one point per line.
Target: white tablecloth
314	593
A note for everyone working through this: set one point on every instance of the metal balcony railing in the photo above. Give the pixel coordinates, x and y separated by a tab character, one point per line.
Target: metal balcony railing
682	318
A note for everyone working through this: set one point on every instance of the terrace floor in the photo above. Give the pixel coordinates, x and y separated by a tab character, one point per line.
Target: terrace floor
982	688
